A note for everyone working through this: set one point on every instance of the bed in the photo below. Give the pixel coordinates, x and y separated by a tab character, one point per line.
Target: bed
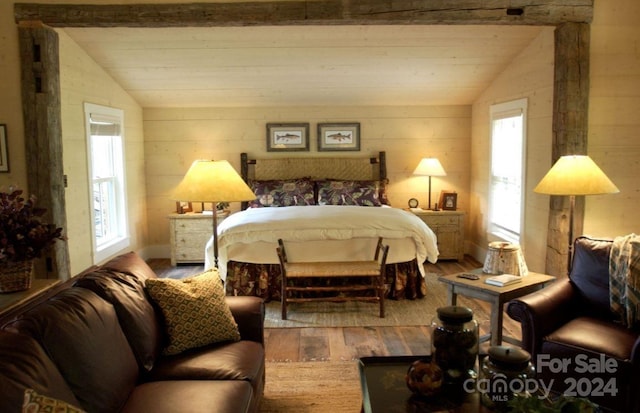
324	209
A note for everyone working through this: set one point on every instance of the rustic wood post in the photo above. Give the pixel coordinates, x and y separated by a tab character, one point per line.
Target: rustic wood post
43	134
570	127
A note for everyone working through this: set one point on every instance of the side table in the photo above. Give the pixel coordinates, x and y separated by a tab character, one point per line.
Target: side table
497	296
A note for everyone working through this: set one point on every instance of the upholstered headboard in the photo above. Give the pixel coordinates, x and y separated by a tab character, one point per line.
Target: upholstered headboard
314	167
345	168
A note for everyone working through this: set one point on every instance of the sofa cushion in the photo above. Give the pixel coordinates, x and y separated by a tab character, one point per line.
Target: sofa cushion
130	263
81	334
37	403
240	360
195	311
590	274
25	365
135	312
193	396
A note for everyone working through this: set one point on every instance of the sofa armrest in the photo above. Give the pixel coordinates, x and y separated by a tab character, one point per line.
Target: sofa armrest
542	312
249	313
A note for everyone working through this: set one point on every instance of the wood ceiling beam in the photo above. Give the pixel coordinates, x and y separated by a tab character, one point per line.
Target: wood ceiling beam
311	12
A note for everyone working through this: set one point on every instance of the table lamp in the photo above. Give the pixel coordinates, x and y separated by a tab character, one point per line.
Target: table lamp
429	167
212	181
575	175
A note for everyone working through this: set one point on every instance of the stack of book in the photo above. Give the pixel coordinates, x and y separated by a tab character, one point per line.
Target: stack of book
503	280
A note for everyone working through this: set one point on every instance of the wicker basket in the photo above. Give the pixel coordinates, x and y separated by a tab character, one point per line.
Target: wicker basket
15	276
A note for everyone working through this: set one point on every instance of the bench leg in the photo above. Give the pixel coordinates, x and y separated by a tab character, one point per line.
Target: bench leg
283	299
381	298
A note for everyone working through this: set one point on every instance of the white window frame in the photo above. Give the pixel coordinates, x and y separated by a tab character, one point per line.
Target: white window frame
120	238
497	232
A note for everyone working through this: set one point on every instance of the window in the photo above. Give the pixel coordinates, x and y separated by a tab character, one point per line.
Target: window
110	232
506	195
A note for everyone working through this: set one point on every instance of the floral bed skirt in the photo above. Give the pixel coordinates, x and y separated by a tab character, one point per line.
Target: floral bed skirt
403	280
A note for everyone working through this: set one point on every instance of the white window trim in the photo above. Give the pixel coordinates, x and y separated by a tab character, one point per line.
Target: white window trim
117	244
497	111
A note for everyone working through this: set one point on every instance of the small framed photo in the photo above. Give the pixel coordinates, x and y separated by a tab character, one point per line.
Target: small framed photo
338	136
4	154
287	137
183	207
448	201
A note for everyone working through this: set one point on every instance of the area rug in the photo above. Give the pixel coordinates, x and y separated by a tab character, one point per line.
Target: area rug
352	313
312	387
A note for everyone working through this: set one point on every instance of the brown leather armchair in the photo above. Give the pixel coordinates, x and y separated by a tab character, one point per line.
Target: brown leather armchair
571	333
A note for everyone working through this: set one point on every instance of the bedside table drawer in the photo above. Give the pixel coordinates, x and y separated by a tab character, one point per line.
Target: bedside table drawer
448	226
433	220
189	236
194	226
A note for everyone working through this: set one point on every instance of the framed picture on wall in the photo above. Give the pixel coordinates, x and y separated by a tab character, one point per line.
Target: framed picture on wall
4	154
287	137
448	201
338	136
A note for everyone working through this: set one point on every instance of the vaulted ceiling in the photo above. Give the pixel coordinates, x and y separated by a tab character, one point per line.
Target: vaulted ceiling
304	65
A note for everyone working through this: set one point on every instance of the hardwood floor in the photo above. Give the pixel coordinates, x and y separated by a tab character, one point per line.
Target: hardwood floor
348	343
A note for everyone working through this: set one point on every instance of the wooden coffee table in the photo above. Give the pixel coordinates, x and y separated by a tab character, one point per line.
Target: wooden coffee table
497	296
384	390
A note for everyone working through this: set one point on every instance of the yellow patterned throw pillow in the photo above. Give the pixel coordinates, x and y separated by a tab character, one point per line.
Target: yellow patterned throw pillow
195	311
37	403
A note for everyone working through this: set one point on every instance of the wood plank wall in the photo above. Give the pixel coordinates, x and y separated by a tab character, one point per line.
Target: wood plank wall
568	93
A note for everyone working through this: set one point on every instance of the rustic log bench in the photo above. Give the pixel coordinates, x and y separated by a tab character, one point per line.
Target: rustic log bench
373	269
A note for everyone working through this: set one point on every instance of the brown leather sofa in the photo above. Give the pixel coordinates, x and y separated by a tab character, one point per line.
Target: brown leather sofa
96	344
570	331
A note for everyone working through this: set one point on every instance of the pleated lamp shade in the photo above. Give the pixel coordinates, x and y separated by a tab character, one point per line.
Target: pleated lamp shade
429	167
212	181
575	175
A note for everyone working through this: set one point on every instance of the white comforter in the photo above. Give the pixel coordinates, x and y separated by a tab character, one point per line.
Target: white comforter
256	231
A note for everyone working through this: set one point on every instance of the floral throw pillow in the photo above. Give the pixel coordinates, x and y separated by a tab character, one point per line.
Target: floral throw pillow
362	193
195	311
279	193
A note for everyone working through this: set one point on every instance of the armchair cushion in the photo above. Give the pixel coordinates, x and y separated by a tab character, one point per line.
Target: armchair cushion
590	275
592	334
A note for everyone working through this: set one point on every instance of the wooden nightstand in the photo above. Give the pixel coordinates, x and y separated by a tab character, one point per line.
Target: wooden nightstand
189	235
449	229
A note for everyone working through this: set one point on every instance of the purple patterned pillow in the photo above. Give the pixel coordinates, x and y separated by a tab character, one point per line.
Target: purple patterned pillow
362	193
278	193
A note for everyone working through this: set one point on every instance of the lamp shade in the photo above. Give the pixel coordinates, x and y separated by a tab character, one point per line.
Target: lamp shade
575	175
212	181
429	167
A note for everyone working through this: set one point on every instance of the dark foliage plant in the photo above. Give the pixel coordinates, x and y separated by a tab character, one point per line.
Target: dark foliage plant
23	235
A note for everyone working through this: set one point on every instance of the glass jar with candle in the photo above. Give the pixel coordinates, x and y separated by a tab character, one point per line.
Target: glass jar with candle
454	344
505	373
